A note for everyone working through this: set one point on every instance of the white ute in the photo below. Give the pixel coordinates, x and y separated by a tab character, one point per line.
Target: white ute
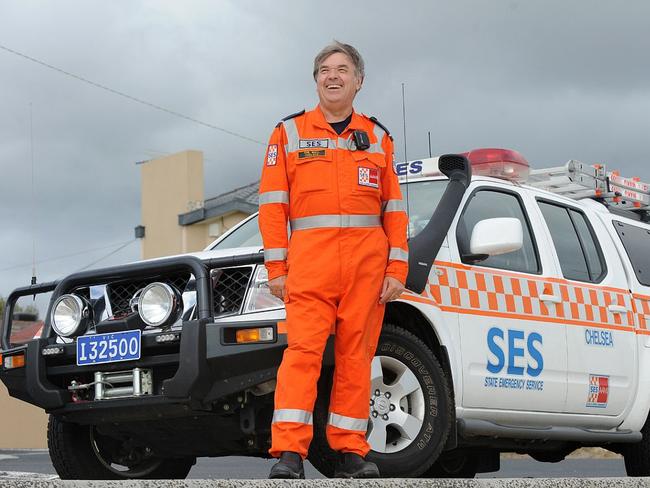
532	332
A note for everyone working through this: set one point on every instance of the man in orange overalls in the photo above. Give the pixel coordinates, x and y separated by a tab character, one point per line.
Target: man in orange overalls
329	172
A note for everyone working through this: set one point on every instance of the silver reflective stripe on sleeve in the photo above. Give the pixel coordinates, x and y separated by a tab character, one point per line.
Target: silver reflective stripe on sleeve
292	415
293	138
398	254
393	206
379	134
274	197
375	148
347	423
320	221
275	254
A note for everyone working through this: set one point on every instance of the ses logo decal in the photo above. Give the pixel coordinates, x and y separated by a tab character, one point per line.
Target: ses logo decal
598	391
414	167
517	355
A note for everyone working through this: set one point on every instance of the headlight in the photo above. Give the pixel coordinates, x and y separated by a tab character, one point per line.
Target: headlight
259	296
70	315
159	304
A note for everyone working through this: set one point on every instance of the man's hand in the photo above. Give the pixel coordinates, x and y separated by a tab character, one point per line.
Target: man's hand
391	290
277	286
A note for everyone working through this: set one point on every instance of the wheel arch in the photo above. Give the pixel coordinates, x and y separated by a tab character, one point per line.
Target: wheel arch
411	318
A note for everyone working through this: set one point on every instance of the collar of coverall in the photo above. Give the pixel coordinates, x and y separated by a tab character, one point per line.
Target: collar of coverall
317	118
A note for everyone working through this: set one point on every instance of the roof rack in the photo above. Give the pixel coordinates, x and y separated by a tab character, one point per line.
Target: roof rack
579	180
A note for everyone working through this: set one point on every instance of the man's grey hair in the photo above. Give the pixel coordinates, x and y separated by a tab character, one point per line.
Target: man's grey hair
339	47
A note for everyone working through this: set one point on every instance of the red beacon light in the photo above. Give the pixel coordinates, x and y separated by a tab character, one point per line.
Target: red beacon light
499	163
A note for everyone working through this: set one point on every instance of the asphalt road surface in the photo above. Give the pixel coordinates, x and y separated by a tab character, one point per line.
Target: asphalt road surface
38	462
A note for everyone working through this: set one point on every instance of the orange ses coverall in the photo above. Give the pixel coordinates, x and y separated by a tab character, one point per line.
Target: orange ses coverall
348	231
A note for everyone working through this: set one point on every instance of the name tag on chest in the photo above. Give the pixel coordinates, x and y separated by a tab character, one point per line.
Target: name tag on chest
313	143
311	153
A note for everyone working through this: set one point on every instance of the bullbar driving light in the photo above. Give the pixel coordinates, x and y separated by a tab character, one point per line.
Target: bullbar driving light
16	361
158	304
70	315
261	334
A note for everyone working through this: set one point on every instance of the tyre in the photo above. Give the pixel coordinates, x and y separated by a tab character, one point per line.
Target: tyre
637	456
410	412
79	452
454	464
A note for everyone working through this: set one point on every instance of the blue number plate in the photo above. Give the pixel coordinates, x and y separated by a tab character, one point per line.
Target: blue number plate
108	348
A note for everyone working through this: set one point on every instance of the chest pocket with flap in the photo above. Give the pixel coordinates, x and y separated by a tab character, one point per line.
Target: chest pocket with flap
313	170
366	172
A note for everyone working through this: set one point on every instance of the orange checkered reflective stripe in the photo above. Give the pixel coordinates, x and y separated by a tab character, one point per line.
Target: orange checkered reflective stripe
642	312
479	291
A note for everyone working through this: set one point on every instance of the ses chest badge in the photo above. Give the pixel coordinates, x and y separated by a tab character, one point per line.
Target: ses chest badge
272	155
369	177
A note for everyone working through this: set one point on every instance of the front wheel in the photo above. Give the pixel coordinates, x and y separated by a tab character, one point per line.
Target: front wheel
410	409
79	452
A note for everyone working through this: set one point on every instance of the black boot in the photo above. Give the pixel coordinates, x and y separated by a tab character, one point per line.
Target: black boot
351	465
288	467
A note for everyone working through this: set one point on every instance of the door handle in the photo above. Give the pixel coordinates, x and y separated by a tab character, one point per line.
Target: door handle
617	309
550	298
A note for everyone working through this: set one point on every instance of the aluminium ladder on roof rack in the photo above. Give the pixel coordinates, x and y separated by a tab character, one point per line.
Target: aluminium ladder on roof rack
579	180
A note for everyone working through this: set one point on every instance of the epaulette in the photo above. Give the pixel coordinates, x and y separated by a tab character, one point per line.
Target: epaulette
292	116
374	119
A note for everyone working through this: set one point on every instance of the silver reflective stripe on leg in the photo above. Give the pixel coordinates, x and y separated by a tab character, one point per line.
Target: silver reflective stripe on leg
393	206
274	197
398	254
275	254
347	423
320	221
292	415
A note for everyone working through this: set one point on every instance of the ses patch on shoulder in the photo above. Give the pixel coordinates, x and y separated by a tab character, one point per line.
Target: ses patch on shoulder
272	155
369	177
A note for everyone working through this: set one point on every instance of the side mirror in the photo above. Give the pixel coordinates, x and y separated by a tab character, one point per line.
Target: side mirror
491	237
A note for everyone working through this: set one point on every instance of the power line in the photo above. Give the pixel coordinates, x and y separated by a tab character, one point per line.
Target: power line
57	258
107	255
132	98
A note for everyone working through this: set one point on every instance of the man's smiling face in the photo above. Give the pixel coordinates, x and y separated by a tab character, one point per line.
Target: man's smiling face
337	82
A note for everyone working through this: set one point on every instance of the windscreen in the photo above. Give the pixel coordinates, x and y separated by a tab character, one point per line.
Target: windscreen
422	198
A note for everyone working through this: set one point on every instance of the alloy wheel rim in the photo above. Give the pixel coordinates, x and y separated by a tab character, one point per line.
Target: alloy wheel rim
396	406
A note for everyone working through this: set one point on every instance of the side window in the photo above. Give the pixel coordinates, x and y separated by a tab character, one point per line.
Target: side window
636	241
579	254
488	204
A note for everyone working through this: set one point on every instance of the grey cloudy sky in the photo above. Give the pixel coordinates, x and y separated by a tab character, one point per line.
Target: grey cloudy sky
555	80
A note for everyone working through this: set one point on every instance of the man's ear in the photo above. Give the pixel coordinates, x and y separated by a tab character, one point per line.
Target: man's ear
360	83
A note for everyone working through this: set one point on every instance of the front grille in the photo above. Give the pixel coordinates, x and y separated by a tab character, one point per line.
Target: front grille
229	287
121	293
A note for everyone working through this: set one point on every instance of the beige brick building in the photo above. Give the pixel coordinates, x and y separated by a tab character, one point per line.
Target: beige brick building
175	218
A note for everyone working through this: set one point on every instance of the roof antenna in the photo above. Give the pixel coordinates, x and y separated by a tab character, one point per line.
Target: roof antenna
430	144
31	147
406	159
